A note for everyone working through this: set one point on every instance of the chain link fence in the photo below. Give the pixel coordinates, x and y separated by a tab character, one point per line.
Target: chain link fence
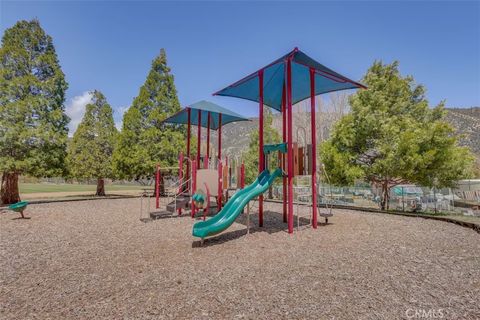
406	198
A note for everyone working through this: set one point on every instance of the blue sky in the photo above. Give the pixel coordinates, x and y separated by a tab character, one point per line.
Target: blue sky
109	45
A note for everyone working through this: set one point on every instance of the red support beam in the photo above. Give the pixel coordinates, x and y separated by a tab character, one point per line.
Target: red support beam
219	155
194	185
180	178
284	140
220	137
207	207
314	148
157	187
261	164
226	170
189	125
208	138
220	186
199	136
290	145
242	176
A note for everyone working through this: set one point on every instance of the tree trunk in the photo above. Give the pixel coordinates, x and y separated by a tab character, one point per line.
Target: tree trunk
385	196
9	190
100	187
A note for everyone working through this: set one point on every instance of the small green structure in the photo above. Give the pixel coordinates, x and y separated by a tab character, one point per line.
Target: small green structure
19	207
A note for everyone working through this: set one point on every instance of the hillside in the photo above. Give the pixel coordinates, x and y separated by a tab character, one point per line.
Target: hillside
466	121
236	136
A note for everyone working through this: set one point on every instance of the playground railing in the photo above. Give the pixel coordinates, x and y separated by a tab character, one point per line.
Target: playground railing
176	190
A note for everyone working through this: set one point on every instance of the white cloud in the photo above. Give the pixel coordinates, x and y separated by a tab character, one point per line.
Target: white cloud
76	109
118	116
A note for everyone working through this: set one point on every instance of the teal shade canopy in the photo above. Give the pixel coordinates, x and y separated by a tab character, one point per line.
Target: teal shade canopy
326	80
205	107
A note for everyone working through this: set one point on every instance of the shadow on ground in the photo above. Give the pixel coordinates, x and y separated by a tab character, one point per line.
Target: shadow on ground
272	223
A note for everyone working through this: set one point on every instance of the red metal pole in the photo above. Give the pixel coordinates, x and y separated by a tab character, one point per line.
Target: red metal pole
194	185
314	148
261	165
290	145
284	139
220	185
219	155
180	177
157	187
189	124
199	136
242	176
208	140
207	207
220	137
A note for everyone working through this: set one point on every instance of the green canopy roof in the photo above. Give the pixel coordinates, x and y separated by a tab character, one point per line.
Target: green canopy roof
326	80
205	107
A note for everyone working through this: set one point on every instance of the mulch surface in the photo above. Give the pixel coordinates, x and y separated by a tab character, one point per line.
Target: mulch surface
97	260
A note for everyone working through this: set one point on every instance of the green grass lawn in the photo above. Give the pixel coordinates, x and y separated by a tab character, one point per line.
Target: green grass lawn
47	187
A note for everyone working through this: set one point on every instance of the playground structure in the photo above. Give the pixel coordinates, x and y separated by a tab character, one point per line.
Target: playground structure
241	198
303	171
234	174
288	80
284	82
203	176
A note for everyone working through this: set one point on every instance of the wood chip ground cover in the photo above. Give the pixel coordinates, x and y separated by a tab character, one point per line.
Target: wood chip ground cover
97	260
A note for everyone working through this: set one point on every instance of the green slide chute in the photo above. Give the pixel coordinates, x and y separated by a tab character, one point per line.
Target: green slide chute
234	206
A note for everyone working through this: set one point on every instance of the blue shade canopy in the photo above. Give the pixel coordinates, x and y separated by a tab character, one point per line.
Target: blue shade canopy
326	80
205	107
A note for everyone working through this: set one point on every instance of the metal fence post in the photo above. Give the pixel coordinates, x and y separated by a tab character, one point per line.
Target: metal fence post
453	199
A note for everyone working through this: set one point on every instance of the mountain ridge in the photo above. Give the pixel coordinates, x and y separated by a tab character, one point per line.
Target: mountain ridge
465	121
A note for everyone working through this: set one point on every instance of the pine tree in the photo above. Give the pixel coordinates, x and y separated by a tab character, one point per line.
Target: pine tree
33	124
90	151
393	137
145	140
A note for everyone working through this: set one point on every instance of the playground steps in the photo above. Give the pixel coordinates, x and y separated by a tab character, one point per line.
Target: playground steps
181	202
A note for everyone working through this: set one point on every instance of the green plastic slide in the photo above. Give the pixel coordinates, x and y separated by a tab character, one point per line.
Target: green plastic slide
234	206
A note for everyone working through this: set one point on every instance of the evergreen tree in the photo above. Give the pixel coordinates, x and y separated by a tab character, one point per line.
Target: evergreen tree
270	136
393	137
90	151
145	140
33	124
